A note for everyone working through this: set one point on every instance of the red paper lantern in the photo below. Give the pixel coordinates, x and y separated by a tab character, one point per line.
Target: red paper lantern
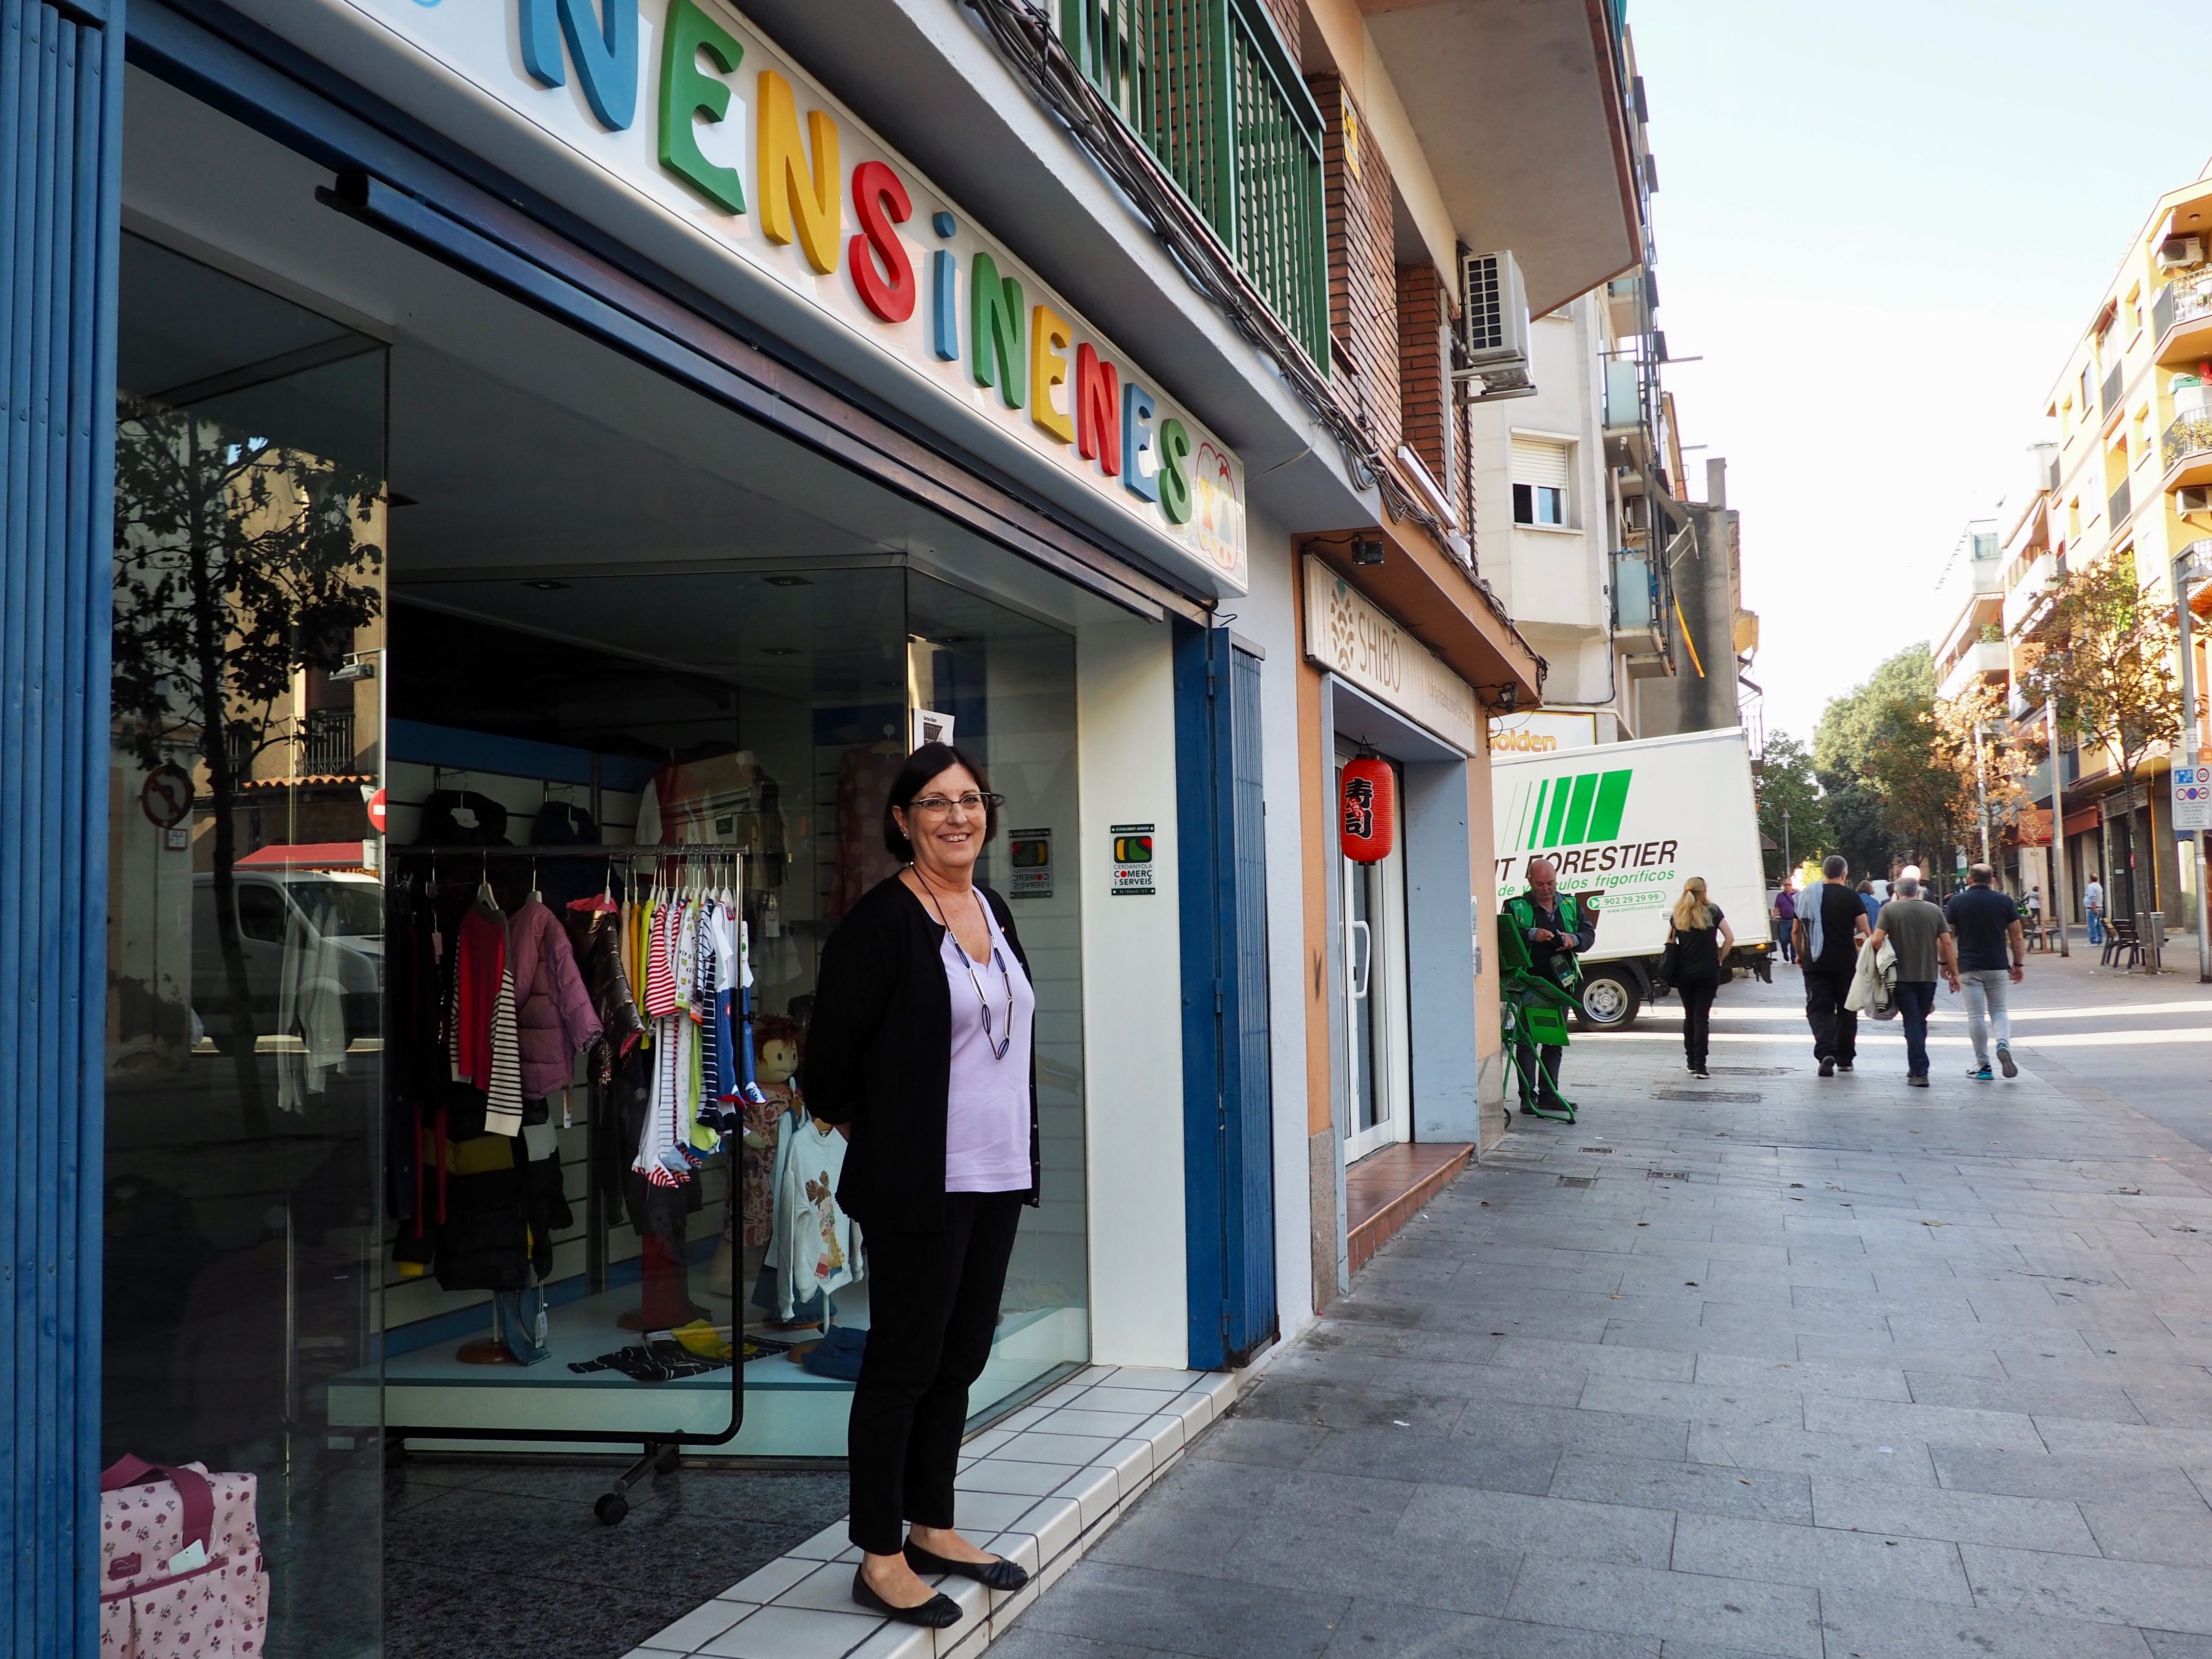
1368	809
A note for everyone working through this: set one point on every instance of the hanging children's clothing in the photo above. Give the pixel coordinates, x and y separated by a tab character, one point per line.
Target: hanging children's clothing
815	1248
485	1049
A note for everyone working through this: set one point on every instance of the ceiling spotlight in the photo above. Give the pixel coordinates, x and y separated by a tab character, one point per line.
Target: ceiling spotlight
778	651
1367	550
787	581
547	585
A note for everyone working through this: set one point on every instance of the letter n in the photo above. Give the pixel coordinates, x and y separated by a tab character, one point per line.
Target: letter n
995	329
1097	411
604	48
785	190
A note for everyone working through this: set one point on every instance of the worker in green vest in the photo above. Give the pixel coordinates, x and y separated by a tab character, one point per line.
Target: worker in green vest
1558	929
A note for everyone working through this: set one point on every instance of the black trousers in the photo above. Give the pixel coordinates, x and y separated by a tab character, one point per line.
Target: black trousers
1546	1092
1835	1028
933	1310
1697	1021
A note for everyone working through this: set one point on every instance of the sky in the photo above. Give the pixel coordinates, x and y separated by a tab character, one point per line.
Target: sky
1883	227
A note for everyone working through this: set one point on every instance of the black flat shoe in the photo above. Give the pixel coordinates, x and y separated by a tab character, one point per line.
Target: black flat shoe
996	1574
935	1613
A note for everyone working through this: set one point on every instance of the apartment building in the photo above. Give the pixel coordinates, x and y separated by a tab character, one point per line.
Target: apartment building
1563	508
2128	476
666	414
1631	590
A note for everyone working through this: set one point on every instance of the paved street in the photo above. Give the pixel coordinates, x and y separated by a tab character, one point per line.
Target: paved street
1765	1366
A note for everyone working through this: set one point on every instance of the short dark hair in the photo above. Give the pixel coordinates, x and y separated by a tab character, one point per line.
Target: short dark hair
1866	887
1834	866
1981	875
925	763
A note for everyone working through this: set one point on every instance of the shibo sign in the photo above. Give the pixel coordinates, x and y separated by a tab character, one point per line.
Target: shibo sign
684	102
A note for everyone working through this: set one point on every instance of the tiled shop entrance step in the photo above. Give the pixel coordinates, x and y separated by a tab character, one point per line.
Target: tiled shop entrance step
1385	1189
1037	1488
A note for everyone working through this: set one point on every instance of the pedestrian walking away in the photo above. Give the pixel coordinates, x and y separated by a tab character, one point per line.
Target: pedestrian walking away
2092	907
1785	920
1830	924
1558	929
1992	945
1697	944
1868	902
1914	927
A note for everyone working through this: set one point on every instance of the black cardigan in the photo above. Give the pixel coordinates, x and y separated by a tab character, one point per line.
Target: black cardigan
879	1056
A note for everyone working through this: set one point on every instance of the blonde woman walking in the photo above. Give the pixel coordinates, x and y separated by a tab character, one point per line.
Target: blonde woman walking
1699	941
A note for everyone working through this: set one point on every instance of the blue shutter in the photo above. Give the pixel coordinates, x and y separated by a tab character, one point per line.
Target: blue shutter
61	83
1228	1141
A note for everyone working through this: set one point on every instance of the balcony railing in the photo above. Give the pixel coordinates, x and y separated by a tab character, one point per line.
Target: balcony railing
2114	378
2118	505
1209	89
2182	300
326	744
1638	606
2190	436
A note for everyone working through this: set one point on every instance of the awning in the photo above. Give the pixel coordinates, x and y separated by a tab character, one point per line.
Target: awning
309	855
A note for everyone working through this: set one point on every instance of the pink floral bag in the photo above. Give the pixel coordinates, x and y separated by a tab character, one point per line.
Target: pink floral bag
180	1570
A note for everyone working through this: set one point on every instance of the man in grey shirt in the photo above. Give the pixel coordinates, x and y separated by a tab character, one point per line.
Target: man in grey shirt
1916	930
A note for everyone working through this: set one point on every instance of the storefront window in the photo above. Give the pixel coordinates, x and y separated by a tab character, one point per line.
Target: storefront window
244	1063
448	643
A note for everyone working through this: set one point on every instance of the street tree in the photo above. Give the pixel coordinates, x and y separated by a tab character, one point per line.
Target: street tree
1792	813
238	563
2103	650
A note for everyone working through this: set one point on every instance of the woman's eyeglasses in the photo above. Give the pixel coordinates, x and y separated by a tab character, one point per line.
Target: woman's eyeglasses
938	806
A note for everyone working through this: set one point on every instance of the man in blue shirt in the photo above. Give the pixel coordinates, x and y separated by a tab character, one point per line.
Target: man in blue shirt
1992	958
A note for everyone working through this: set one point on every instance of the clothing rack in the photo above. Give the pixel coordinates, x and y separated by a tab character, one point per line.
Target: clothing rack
660	850
661	1451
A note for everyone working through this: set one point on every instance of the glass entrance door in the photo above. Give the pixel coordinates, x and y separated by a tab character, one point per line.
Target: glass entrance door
1377	1054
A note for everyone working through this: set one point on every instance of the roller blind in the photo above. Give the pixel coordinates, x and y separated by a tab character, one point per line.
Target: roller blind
1539	461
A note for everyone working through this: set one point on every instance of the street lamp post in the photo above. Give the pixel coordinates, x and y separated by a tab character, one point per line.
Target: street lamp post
2057	823
2190	568
1785	843
1981	792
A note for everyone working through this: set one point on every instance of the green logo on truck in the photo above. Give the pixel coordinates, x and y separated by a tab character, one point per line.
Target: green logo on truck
1570	811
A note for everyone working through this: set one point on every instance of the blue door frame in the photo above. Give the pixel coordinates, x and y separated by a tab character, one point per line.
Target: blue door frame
61	85
1229	1187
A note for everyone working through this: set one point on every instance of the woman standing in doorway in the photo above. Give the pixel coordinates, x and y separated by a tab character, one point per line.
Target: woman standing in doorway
1700	939
920	1047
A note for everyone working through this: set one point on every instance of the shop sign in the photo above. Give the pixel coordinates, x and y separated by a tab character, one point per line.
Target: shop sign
1030	852
1352	638
1133	859
1541	732
687	105
2192	798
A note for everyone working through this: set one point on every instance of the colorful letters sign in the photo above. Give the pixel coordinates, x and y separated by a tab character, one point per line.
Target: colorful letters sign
686	104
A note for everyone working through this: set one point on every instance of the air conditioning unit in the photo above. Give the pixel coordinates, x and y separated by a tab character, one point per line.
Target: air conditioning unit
1494	329
2177	251
2193	498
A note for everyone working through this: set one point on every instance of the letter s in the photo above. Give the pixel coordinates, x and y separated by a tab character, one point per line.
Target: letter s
880	202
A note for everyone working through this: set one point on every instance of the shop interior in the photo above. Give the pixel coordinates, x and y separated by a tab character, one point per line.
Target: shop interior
562	608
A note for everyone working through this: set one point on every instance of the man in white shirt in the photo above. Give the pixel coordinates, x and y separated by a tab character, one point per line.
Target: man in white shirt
2092	904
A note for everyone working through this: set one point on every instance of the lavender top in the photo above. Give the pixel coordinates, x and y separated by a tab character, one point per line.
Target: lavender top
987	1118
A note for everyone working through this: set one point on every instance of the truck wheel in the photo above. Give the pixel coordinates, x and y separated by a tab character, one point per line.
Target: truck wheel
1610	1001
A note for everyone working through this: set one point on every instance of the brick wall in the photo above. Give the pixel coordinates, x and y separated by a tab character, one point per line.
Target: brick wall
1289	22
1424	376
1363	277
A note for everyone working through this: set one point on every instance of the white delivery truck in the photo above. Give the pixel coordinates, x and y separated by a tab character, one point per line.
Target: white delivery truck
1627	824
